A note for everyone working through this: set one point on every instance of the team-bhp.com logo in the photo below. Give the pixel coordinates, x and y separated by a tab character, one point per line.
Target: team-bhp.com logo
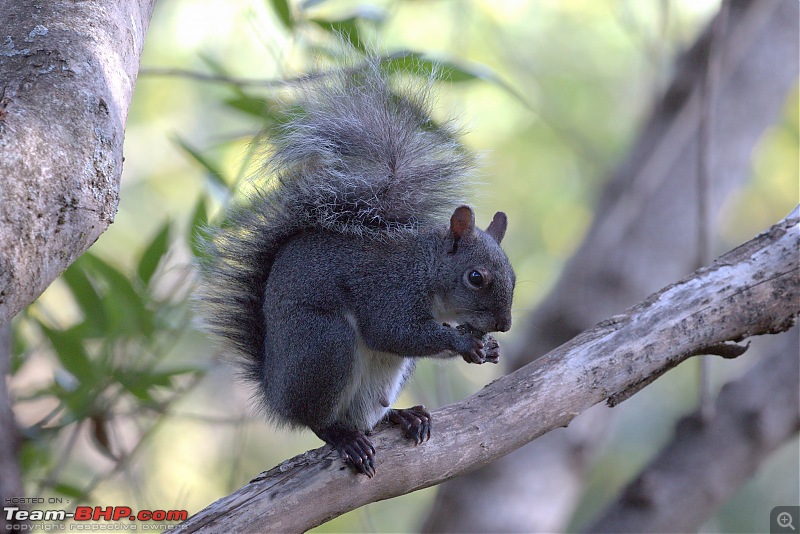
14	514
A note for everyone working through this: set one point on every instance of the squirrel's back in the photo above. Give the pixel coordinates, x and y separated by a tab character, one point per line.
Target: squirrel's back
354	154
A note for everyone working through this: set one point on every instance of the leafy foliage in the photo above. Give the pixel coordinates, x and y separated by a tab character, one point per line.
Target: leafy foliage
554	90
109	364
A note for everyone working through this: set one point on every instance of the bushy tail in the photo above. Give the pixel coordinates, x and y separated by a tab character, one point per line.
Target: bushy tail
352	156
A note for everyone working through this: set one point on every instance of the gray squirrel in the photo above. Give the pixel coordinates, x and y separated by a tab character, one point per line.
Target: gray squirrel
334	276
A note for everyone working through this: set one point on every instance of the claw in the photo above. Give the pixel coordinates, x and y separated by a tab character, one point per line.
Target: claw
414	422
354	447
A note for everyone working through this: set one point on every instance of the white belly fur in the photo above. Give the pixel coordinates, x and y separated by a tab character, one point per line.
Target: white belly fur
376	381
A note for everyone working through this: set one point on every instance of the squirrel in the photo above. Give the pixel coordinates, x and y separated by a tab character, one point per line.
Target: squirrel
331	279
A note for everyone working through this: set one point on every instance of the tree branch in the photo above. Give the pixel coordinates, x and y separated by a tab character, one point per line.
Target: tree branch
752	290
707	461
643	236
66	79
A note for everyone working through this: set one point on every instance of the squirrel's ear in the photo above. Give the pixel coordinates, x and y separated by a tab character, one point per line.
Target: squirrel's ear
497	228
462	222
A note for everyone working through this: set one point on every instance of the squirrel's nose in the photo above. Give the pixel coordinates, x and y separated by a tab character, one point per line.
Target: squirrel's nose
504	324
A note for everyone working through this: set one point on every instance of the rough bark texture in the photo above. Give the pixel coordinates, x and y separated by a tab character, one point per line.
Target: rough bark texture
644	236
67	72
707	461
754	289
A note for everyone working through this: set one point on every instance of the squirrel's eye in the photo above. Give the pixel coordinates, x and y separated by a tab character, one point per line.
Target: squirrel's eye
475	278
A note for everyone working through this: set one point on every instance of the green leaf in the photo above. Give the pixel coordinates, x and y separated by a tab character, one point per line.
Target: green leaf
140	382
450	71
283	12
347	28
152	255
34	452
18	348
214	174
418	64
85	295
79	404
255	106
69	490
198	228
68	345
123	305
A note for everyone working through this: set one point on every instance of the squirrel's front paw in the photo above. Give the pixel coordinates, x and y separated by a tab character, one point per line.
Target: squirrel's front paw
471	349
492	349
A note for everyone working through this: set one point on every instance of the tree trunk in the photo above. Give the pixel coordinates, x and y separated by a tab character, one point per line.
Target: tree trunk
67	73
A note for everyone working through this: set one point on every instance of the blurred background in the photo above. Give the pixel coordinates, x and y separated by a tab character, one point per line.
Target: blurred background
122	401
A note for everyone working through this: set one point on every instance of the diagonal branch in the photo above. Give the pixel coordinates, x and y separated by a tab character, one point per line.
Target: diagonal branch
752	290
708	460
643	236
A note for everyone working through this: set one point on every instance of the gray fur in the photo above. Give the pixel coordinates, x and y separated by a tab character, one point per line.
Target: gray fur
335	275
360	158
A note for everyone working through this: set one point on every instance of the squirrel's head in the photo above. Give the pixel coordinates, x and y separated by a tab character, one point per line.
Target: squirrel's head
476	282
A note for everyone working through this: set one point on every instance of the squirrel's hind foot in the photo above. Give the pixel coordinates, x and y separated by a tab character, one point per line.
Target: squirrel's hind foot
353	446
415	422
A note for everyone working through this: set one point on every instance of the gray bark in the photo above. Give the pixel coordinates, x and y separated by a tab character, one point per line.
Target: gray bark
644	235
708	460
754	289
67	73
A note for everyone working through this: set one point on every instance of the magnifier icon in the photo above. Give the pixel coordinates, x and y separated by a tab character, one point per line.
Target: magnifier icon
785	520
